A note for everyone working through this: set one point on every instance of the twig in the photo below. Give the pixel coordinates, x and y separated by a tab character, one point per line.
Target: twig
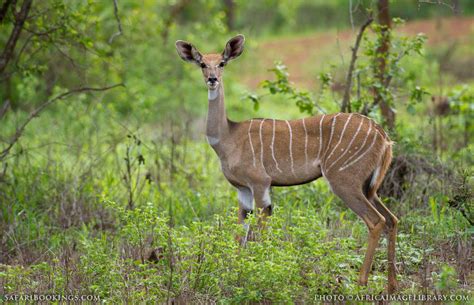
19	22
339	49
439	2
170	254
37	111
119	24
4	108
358	86
351	18
346	105
63	53
395	62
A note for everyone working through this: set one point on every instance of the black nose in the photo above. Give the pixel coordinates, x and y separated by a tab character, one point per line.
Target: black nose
212	79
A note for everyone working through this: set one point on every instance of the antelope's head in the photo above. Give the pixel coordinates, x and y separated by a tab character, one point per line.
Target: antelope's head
212	65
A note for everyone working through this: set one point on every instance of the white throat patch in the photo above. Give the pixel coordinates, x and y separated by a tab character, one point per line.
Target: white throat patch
212	94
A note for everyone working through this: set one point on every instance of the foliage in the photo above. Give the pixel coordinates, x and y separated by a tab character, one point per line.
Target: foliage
282	86
276	17
368	67
117	194
365	74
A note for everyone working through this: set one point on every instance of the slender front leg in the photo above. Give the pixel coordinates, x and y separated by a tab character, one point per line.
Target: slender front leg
263	203
245	207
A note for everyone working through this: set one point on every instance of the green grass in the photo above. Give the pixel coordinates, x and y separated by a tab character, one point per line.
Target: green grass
67	228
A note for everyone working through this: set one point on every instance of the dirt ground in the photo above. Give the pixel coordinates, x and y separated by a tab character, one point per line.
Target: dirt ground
310	54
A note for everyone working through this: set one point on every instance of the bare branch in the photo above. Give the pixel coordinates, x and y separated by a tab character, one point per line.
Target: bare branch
339	49
42	107
439	2
350	15
119	24
346	105
15	34
4	108
69	58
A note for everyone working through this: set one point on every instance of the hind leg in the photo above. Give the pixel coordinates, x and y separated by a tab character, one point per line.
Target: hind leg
375	221
391	226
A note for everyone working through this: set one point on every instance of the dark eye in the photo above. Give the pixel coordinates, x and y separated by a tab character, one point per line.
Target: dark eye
203	65
222	64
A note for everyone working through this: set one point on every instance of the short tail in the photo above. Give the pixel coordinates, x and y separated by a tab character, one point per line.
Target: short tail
380	171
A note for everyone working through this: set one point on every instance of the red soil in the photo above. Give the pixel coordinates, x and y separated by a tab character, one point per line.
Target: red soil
303	55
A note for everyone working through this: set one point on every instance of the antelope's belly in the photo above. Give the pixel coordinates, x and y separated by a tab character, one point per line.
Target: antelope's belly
299	175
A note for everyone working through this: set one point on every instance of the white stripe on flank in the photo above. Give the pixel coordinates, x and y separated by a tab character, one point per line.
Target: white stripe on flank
291	149
332	132
261	142
251	145
363	154
320	136
361	147
305	146
340	138
348	146
273	152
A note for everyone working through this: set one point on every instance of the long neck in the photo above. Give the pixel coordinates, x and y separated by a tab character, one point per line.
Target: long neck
217	124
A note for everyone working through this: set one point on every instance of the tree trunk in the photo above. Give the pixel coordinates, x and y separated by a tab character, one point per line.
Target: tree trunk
230	13
20	19
381	66
456	7
175	10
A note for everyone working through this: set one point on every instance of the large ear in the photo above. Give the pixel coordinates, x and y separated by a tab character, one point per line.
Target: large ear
188	52
234	47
